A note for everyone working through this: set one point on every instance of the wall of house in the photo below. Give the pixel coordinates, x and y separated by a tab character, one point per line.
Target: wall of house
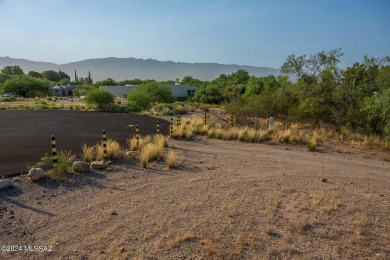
181	91
118	91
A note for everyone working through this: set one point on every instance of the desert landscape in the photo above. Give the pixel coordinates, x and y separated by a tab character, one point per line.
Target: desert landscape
225	200
216	130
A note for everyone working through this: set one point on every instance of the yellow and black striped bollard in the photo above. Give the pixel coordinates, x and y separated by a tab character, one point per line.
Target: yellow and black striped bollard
158	127
171	128
231	120
104	144
54	150
137	134
205	118
179	119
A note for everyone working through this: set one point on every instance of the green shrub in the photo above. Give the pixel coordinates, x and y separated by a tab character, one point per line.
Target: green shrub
58	172
7	99
143	96
101	98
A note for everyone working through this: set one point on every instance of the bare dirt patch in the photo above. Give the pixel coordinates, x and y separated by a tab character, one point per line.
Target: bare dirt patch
227	200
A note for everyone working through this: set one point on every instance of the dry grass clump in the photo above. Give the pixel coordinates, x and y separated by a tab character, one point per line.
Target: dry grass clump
151	149
87	153
326	204
114	150
138	145
150	152
172	159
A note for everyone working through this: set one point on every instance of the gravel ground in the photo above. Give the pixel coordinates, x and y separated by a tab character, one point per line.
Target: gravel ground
226	200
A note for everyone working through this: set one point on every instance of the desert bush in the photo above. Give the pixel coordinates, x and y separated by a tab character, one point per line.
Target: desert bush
114	150
101	98
150	152
172	159
143	96
87	152
59	171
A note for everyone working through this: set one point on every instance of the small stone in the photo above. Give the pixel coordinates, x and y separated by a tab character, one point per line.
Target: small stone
80	166
35	174
114	213
324	180
5	183
98	165
16	179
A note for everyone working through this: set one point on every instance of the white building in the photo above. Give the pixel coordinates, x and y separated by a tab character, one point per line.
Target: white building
179	92
119	91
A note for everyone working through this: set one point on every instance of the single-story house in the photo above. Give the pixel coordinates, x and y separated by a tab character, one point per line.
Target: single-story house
182	92
179	92
63	90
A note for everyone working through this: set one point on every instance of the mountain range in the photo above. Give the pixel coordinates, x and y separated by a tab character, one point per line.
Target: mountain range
132	68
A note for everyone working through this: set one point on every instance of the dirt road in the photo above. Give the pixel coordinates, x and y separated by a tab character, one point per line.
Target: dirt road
228	200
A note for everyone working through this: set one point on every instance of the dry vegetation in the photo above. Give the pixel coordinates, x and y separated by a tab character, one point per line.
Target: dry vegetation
326	137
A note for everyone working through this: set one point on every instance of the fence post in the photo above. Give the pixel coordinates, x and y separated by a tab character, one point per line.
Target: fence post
54	150
137	134
171	127
158	127
104	144
271	123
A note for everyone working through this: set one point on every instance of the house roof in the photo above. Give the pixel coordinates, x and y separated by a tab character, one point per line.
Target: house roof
66	87
70	87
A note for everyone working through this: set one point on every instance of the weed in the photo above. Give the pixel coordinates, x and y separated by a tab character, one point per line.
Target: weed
311	147
57	172
172	159
114	150
150	152
87	153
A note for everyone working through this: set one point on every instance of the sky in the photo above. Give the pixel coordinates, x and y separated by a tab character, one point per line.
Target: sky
244	32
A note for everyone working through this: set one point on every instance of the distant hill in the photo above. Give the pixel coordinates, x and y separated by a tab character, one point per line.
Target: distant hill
131	68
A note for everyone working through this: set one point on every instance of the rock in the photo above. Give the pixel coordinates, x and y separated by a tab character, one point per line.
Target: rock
16	179
98	165
324	180
36	174
114	213
72	159
80	166
5	183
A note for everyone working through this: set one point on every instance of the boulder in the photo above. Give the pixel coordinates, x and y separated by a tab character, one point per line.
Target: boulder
5	183
98	165
35	174
80	166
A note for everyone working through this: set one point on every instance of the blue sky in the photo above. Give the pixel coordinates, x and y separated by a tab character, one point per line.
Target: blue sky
244	32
